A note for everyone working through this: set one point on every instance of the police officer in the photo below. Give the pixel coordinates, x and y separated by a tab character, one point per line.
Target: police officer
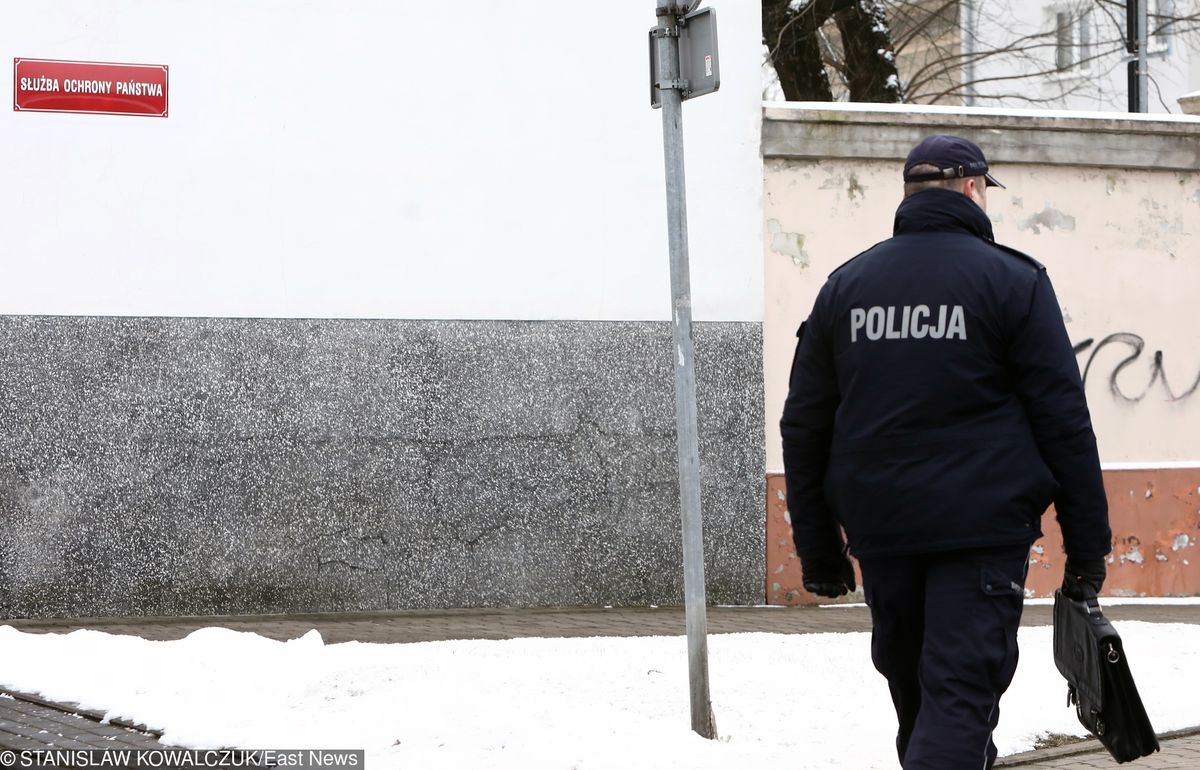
935	410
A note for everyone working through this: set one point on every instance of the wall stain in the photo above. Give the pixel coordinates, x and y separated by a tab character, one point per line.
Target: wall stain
788	244
833	183
854	189
1160	228
1134	555
1049	218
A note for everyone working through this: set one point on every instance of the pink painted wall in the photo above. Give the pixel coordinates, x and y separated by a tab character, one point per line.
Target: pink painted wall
1155	519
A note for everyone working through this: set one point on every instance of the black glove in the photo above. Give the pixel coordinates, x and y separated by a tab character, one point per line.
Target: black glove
830	576
1082	578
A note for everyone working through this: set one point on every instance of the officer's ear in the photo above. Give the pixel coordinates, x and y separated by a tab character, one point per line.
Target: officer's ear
975	188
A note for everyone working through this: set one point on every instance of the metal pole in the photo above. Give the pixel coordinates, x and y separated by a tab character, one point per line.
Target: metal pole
1143	62
685	377
968	40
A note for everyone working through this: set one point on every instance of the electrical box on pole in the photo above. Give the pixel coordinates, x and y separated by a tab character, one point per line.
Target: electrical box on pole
680	70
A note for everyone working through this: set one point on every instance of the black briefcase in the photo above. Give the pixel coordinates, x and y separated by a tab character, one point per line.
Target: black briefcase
1089	654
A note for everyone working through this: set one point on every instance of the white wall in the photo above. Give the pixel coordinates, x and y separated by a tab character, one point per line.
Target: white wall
405	159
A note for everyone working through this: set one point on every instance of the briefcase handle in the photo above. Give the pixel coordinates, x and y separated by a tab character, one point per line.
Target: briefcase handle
1090	599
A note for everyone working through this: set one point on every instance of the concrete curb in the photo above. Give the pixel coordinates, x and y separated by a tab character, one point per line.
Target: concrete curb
1086	746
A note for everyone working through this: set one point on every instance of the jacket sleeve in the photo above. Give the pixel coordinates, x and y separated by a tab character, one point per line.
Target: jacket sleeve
1047	381
807	429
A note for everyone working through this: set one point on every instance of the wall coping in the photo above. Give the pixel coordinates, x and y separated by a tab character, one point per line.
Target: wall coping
823	130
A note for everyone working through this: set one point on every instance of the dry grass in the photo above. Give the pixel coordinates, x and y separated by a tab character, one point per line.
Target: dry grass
1054	740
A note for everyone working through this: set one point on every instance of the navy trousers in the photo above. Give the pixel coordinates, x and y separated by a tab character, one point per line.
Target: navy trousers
944	633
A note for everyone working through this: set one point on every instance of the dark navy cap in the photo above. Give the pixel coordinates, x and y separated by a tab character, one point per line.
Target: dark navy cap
954	156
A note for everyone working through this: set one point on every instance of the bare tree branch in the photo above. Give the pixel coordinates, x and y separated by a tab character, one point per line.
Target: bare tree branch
1044	64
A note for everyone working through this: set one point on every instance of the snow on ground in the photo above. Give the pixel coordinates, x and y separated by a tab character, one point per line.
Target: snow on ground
810	701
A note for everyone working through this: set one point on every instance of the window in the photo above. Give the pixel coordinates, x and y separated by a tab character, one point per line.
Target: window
1064	51
1072	38
1159	24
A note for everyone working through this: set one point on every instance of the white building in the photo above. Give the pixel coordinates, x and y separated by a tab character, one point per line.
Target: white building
1072	54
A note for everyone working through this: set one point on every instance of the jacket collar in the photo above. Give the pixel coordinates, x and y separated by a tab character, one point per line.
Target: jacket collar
940	210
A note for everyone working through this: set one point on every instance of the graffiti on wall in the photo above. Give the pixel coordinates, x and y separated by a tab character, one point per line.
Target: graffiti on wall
1134	347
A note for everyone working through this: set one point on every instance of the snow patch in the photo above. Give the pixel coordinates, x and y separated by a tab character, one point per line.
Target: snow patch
551	703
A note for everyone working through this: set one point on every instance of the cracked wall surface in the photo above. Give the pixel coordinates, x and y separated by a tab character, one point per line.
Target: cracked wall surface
155	466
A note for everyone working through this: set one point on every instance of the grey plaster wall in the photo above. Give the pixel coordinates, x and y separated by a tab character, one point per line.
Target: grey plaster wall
827	131
199	466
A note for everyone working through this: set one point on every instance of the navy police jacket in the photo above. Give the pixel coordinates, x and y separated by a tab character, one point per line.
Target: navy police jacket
935	401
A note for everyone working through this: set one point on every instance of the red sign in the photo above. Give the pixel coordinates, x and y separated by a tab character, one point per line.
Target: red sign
47	85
